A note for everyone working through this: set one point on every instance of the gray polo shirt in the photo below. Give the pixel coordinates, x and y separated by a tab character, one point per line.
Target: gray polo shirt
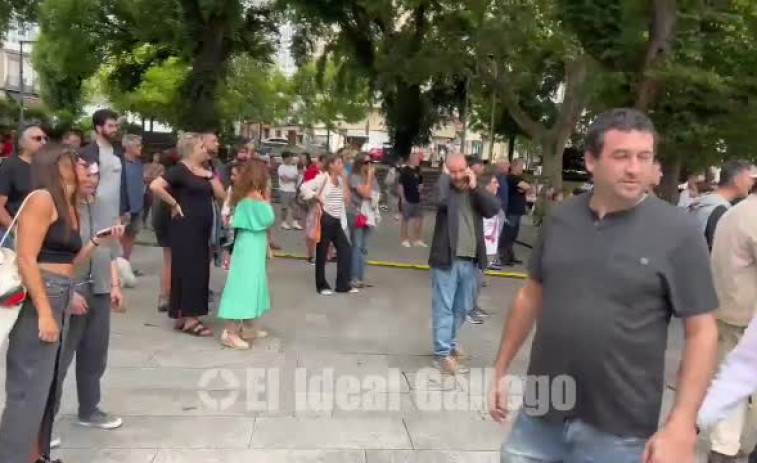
97	269
466	234
610	286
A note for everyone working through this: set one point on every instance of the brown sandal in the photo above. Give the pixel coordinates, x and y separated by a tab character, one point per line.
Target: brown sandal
195	329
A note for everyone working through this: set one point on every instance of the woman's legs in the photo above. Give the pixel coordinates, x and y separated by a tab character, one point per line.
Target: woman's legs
358	253
343	257
321	252
165	278
310	248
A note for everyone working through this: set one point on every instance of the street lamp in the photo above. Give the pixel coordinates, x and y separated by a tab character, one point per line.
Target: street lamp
494	106
21	76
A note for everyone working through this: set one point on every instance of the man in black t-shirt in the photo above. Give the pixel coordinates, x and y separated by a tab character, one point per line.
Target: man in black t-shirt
608	272
411	182
16	176
516	209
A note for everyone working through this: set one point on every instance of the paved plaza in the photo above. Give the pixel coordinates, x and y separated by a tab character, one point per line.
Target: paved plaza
186	399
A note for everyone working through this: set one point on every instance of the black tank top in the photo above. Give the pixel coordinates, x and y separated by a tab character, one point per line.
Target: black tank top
61	244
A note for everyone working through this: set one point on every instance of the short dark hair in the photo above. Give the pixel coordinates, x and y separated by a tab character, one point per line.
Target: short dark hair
286	155
70	132
101	116
733	169
623	119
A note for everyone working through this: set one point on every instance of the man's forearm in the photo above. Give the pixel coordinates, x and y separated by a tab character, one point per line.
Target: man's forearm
518	324
5	218
697	368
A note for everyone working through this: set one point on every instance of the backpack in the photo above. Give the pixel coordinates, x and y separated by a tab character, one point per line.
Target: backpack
12	290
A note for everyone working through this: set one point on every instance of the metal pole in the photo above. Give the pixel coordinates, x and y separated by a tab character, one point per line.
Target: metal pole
465	116
491	126
21	79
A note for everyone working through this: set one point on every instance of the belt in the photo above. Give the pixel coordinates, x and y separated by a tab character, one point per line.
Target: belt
468	259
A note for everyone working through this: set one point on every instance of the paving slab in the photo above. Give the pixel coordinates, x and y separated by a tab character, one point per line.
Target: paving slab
106	455
430	456
160	432
263	456
334	433
453	432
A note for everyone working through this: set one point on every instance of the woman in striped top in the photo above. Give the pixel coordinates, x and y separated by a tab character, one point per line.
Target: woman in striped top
330	190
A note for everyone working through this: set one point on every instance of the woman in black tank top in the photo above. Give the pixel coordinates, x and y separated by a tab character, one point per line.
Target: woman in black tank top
48	248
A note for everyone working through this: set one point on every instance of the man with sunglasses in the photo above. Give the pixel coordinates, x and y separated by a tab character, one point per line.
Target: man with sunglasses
15	176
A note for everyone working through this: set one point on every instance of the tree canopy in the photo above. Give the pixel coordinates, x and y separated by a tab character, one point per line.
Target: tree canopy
145	43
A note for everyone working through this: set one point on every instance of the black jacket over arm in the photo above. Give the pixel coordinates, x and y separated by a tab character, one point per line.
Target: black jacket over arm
444	246
91	153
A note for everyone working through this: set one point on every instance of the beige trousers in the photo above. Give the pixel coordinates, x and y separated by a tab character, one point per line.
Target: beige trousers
725	436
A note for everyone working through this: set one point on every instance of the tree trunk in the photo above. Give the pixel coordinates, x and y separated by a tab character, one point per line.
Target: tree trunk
209	67
551	155
671	173
511	147
404	113
661	36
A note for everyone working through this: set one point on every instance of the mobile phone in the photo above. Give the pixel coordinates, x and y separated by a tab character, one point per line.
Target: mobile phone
104	233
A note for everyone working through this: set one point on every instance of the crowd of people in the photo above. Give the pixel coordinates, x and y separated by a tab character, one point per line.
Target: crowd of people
609	270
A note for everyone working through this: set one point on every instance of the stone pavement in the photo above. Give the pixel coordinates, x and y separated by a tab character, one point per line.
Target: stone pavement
186	399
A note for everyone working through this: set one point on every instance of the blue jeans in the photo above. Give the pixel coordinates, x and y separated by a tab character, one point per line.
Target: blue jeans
451	300
477	288
9	243
536	440
359	238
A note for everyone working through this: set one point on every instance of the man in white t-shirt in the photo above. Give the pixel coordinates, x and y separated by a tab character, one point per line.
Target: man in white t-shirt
288	175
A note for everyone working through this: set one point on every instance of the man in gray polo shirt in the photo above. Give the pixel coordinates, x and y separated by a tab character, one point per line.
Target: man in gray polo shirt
609	270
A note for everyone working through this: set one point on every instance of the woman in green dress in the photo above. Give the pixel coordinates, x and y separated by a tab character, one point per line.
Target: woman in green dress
245	297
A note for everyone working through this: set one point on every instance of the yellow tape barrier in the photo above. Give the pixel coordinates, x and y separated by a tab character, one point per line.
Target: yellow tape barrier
381	263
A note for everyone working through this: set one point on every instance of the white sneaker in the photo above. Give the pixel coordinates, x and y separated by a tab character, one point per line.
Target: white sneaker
285	226
353	291
406	244
327	292
420	244
296	225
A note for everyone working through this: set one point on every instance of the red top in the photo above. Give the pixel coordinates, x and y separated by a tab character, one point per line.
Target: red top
311	172
7	150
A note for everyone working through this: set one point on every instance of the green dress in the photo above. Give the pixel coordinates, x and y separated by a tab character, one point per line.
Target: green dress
245	295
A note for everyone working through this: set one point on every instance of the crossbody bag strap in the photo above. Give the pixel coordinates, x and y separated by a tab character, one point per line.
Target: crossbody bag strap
15	217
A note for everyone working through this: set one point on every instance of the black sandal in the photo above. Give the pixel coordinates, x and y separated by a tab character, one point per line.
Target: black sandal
195	329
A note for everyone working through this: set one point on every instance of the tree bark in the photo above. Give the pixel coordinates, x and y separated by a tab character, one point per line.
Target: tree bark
661	34
209	65
511	147
671	172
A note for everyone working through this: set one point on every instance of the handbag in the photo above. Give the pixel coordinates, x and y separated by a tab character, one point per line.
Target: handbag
314	234
361	221
12	290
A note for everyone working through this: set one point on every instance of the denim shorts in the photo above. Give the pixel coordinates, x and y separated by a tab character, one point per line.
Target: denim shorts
537	440
411	210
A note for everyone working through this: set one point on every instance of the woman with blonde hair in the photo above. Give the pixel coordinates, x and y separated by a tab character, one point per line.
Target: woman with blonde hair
193	189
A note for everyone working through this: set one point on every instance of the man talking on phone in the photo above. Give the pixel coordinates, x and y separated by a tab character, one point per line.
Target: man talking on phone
457	253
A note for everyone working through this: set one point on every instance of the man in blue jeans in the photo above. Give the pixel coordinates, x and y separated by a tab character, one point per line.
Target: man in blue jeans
608	271
458	252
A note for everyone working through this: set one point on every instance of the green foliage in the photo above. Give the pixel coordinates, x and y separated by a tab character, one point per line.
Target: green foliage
18	11
403	48
149	48
254	91
327	96
706	99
